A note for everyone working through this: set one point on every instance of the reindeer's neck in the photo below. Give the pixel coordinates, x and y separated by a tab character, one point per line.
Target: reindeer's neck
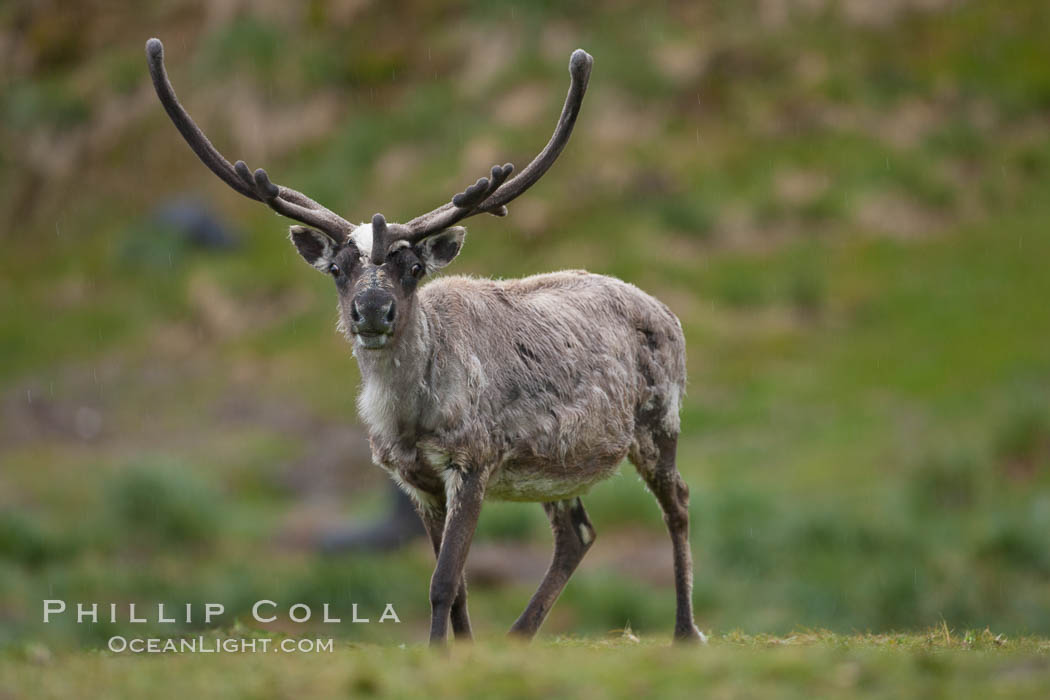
394	388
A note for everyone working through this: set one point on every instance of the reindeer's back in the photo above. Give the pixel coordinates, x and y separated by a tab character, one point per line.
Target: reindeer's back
553	371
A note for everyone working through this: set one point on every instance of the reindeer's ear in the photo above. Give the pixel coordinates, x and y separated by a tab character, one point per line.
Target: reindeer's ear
442	248
315	247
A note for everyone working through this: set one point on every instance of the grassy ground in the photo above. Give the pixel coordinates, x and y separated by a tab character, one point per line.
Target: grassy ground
935	664
846	206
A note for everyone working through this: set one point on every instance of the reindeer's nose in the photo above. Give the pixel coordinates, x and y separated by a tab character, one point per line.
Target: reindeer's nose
373	313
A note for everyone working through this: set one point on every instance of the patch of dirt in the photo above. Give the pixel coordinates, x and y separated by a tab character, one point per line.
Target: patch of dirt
558	39
480	154
532	217
896	216
223	314
867	13
681	62
906	125
800	187
880	13
304	524
489	51
737	228
72	404
617	120
397	164
32	414
264	130
523	106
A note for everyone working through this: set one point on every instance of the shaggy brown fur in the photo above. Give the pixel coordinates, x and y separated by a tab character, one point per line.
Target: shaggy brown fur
542	380
529	389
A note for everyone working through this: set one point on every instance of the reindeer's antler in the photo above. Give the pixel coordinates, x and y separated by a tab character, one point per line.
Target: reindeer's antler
491	194
283	200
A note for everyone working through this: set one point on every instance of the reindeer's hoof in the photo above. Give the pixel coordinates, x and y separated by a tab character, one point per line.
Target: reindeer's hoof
690	636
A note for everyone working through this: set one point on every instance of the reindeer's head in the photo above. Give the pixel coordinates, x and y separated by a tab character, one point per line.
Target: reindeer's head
376	293
376	267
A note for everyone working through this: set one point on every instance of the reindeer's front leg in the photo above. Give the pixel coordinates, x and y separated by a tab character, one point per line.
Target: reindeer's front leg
464	490
433	517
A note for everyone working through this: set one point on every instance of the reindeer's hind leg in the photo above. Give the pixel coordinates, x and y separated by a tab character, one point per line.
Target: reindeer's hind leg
573	535
654	457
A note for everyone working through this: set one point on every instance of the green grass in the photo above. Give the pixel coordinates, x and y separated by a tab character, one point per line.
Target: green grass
849	218
935	664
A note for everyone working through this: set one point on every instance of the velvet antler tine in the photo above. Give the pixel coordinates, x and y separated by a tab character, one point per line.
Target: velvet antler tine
242	170
500	173
293	196
472	196
264	187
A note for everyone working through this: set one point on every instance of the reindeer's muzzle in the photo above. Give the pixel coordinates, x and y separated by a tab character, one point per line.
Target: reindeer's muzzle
372	315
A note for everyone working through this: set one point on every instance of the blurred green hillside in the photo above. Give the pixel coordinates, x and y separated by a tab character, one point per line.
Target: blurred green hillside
846	203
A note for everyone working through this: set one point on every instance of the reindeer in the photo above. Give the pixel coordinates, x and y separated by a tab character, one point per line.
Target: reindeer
529	389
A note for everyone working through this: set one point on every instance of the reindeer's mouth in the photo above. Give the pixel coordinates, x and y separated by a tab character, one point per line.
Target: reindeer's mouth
372	341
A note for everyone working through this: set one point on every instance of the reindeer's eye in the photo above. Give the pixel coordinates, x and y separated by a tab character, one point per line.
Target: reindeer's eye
417	270
334	270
